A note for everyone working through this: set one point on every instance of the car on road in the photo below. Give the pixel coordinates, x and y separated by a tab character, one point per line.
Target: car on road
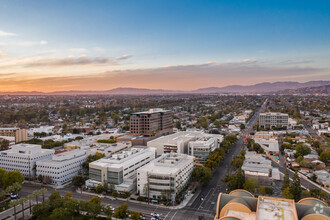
13	196
153	214
101	196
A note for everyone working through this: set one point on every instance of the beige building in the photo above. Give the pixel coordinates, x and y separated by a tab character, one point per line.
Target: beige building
273	119
242	205
154	122
19	134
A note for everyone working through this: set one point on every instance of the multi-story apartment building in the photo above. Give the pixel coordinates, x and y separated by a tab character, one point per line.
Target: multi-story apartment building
203	146
61	168
154	122
23	157
273	119
178	142
19	134
241	204
120	168
165	176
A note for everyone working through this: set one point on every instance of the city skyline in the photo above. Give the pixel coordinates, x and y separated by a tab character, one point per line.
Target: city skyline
85	45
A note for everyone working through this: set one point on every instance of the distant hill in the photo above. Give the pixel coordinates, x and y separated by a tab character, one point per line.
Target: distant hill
261	88
321	90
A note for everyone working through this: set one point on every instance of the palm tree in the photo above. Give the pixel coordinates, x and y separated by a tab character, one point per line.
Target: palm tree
14	203
30	197
22	201
36	193
43	191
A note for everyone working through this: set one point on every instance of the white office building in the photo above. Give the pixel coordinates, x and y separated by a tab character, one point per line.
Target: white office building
178	142
61	168
120	168
165	176
203	146
23	157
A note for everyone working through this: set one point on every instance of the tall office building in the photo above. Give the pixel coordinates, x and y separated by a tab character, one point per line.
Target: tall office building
154	122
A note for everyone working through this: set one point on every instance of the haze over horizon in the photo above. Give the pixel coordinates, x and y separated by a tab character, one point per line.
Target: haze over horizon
174	45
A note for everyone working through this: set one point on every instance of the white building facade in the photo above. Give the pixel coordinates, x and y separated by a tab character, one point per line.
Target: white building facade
120	168
202	147
165	176
178	142
23	157
273	119
61	168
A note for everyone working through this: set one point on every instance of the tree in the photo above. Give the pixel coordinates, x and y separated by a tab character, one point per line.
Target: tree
3	173
201	174
11	177
135	215
325	157
237	180
93	207
108	211
92	158
78	181
286	180
302	150
262	190
40	178
73	206
250	184
286	193
14	188
60	213
299	159
242	126
99	189
269	190
14	203
295	188
121	211
237	161
314	177
4	144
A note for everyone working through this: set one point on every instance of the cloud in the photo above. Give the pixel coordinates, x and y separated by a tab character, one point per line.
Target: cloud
7	34
2	54
78	50
43	42
70	61
248	60
124	57
31	43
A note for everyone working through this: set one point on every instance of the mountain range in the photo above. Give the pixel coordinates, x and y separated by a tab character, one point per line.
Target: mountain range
260	88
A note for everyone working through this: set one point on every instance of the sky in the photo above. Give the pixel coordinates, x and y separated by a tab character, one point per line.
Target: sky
58	45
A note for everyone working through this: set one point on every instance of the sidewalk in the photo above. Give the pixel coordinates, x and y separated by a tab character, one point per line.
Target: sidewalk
180	206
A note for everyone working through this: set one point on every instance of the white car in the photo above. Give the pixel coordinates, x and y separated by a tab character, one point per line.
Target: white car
154	214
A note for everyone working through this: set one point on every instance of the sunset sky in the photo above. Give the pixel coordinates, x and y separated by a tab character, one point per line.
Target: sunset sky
58	45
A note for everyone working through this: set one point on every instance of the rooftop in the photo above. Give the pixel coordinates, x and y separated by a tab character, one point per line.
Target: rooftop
168	163
152	110
275	208
121	157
